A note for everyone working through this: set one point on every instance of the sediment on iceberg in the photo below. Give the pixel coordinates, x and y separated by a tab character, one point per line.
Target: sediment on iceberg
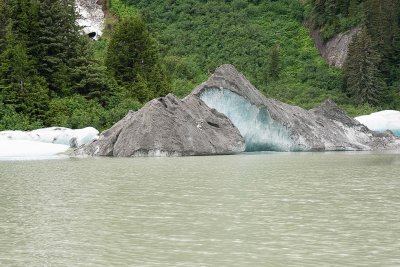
270	124
226	115
169	126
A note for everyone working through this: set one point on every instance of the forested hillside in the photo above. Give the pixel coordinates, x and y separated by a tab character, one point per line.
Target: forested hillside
264	39
51	74
372	70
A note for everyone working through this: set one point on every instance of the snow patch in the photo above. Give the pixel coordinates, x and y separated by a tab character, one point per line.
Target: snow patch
382	121
92	16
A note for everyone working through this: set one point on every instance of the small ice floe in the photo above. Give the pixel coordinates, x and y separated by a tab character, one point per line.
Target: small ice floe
382	121
30	150
43	143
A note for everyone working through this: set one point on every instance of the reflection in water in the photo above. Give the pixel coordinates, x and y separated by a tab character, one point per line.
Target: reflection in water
272	209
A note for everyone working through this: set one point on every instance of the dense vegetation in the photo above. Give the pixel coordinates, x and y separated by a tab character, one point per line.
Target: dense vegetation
264	39
51	74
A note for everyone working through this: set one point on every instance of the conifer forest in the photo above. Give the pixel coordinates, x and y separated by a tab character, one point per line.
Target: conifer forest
51	74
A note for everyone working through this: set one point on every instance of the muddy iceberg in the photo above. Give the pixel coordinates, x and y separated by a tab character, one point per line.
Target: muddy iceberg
268	124
169	126
226	115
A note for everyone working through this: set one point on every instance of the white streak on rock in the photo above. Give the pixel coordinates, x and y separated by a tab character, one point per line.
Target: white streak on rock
92	16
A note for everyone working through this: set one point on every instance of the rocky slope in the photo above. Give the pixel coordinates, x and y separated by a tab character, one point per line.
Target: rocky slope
335	50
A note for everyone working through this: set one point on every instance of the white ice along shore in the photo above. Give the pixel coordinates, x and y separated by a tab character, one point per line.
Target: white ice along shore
92	17
382	121
43	143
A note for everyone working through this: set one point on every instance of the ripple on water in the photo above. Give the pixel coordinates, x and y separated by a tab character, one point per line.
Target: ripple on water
271	209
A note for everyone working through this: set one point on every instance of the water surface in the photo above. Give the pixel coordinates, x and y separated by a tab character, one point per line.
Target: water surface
271	209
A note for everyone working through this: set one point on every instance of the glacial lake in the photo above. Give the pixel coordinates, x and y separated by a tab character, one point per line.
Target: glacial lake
257	209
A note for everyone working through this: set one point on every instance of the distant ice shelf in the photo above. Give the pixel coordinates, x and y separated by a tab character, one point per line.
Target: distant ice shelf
43	143
260	131
382	121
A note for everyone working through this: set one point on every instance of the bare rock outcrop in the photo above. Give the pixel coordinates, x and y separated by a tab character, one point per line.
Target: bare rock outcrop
168	126
335	50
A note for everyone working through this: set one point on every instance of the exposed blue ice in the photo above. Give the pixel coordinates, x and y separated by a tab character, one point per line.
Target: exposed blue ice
260	131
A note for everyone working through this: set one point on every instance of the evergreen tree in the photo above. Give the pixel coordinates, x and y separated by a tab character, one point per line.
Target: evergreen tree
131	51
274	63
4	19
383	27
58	42
20	86
133	59
93	82
363	79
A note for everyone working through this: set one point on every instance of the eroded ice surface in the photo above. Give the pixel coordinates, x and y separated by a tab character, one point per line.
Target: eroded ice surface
43	143
260	132
382	121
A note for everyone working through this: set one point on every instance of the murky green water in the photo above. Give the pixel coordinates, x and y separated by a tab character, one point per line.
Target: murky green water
279	209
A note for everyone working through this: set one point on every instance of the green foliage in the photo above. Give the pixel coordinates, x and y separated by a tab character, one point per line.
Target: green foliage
274	64
363	79
122	8
131	50
56	45
372	69
383	24
198	36
133	59
335	16
12	120
20	87
78	112
74	112
51	74
90	95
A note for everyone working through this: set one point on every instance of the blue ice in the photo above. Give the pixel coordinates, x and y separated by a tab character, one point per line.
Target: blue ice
260	131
